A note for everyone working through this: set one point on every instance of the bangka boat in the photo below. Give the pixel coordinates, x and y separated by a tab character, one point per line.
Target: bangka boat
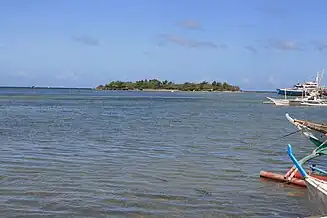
315	99
317	187
279	102
292	176
301	89
315	132
312	99
286	102
298	89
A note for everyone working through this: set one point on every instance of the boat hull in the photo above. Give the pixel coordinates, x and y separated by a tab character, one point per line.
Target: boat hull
317	193
294	102
297	179
317	187
285	102
290	92
280	102
320	104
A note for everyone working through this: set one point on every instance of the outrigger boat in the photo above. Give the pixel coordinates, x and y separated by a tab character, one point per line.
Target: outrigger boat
315	132
311	95
303	88
307	128
317	187
293	176
285	102
312	99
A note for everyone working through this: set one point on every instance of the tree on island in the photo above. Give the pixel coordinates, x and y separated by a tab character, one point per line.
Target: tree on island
168	85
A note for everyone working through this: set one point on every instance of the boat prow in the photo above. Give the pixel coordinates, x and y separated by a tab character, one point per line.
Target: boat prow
289	118
317	138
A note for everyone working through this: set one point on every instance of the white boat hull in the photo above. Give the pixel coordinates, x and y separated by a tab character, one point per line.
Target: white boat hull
318	104
317	188
298	102
280	102
317	194
285	102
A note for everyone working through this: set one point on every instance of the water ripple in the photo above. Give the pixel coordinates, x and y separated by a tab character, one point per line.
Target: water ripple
134	154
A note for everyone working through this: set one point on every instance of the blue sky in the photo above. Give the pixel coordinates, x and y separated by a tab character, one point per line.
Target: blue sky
255	44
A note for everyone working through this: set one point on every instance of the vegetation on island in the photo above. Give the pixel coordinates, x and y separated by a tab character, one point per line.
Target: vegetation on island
154	84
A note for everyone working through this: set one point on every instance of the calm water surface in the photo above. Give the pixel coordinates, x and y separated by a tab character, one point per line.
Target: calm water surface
83	153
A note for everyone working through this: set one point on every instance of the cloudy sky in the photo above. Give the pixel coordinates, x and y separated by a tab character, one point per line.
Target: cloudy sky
256	44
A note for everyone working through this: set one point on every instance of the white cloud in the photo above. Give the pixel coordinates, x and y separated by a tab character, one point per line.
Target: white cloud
87	40
285	45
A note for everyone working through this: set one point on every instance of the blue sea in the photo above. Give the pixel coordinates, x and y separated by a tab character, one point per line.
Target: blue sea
88	153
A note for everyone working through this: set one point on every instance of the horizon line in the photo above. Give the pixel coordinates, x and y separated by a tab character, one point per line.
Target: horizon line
91	88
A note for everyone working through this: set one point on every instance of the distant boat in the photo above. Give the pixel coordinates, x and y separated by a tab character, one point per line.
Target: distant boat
301	88
279	102
311	95
313	99
298	89
293	102
289	102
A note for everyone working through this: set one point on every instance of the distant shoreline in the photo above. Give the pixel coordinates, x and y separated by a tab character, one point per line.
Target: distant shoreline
176	90
43	87
145	90
165	85
167	90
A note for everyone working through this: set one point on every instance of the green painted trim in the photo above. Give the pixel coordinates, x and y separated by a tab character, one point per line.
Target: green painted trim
316	142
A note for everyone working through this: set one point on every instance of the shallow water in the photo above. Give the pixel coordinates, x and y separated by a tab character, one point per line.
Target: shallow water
83	153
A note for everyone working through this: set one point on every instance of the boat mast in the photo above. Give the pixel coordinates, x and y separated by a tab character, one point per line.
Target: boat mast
285	92
319	79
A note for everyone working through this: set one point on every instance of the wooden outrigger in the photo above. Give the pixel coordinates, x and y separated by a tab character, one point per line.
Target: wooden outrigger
292	176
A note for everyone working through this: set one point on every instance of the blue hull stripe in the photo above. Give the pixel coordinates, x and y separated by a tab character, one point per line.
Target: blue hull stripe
289	92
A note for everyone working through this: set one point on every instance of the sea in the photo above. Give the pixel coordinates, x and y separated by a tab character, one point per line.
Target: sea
89	153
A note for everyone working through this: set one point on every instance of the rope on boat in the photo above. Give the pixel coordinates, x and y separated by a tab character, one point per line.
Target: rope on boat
299	130
280	137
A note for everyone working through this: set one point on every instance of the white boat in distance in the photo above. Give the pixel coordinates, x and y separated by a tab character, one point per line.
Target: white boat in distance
313	98
302	88
318	102
285	102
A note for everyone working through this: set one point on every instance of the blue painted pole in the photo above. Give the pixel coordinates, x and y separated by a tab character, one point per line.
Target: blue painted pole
295	161
318	169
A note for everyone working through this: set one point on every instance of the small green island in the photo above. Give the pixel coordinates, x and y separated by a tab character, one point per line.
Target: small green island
157	85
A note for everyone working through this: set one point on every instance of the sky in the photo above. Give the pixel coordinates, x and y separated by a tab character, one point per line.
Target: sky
254	44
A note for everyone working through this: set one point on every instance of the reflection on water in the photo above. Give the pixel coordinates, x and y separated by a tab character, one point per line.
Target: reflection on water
85	153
